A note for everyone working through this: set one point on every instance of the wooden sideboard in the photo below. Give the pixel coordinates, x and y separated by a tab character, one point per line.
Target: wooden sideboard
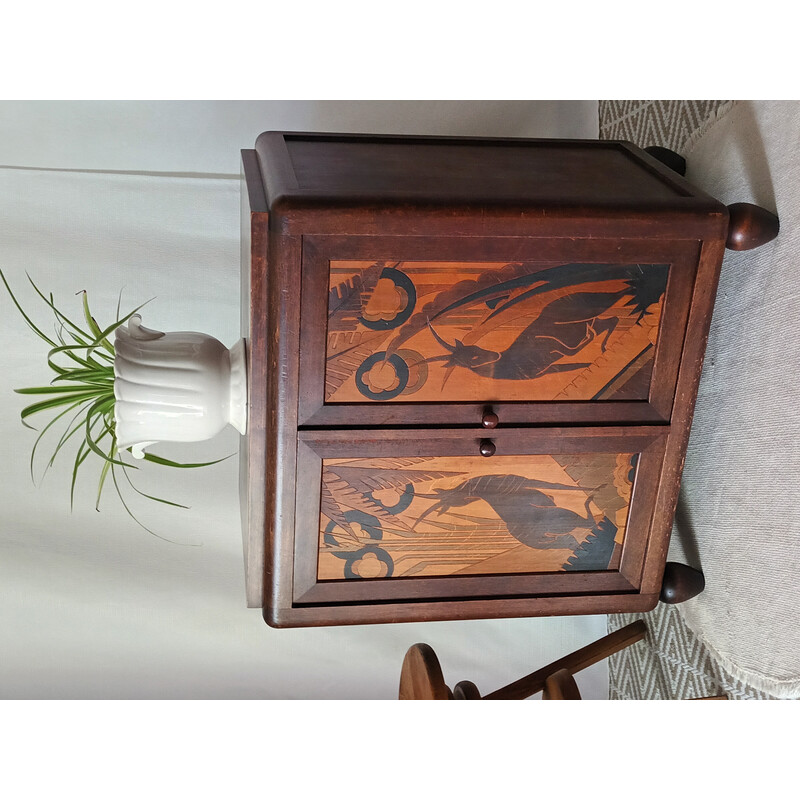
472	365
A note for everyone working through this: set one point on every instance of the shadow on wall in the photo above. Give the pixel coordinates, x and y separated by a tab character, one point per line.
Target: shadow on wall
743	152
684	532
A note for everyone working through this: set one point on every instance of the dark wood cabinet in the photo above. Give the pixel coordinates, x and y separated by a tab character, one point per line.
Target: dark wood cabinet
472	370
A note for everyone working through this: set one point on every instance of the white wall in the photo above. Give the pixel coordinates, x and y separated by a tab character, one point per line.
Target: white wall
91	606
207	136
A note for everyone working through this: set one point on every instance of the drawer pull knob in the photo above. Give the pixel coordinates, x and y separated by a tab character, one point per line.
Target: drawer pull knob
488	447
489	419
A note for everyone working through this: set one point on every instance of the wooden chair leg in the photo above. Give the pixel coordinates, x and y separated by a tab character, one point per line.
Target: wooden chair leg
421	675
561	686
466	690
575	662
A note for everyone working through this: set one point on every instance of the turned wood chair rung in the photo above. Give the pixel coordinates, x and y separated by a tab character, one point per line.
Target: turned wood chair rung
421	676
575	662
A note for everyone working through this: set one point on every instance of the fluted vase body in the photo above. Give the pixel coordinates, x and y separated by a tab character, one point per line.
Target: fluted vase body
181	386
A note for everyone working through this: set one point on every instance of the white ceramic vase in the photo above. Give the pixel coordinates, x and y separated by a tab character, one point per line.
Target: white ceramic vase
180	386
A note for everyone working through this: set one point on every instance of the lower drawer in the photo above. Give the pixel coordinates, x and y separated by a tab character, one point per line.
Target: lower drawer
419	524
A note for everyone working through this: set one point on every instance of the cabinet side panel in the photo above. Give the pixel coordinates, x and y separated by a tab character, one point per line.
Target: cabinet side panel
685	396
253	275
282	347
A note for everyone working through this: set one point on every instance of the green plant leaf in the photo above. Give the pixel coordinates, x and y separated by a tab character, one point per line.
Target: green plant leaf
86	342
101	376
78	461
167	463
81	341
75	424
133	516
96	410
100	371
24	315
93	326
46	428
103	474
55	402
149	496
78	389
58	314
71	350
111	328
82	358
80	457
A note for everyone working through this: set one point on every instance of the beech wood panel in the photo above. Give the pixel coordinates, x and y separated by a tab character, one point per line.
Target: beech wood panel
471	515
319	252
437	331
317	198
252	449
313	446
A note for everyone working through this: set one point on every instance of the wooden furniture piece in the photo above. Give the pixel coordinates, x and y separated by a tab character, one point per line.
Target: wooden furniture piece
472	370
421	675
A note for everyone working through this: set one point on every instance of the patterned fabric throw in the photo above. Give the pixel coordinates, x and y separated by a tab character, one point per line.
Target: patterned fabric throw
671	663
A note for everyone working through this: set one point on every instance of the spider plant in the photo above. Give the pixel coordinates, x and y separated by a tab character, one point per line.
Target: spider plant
82	357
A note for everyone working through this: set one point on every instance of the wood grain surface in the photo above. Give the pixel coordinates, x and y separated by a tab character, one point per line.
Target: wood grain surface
461	331
398	517
404	290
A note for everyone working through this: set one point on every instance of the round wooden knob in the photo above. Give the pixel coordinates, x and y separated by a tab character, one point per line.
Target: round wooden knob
488	447
489	419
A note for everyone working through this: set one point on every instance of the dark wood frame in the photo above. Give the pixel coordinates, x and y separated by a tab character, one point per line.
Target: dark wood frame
682	212
254	223
314	446
319	251
284	220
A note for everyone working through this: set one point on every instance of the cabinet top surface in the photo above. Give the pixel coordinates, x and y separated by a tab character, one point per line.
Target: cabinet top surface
477	171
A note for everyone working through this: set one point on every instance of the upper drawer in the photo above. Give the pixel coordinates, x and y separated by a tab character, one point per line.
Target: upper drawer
429	331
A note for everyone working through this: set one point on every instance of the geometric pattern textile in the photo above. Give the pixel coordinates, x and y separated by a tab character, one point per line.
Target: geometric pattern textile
670	663
673	124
